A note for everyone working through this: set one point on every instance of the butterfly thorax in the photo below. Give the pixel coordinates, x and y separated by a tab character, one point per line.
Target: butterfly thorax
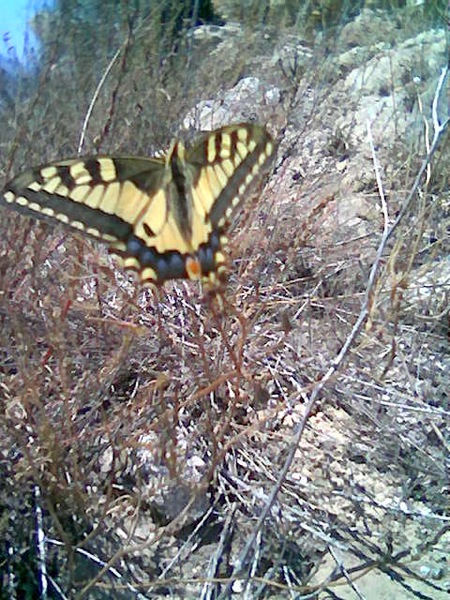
179	202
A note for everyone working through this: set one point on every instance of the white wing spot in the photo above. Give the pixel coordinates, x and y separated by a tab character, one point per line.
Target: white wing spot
228	167
78	225
63	190
148	274
219	257
262	159
80	174
9	197
131	262
107	169
94	232
225	148
211	149
112	239
63	218
237	159
22	201
223	179
95	197
49	212
49	172
116	245
242	149
79	193
52	185
242	134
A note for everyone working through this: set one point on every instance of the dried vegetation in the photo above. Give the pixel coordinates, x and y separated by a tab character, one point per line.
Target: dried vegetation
291	440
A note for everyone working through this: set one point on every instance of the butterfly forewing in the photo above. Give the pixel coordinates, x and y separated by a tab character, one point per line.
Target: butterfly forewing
229	162
164	217
100	196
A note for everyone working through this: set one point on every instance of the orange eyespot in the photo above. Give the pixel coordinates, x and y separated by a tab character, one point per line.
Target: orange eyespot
193	268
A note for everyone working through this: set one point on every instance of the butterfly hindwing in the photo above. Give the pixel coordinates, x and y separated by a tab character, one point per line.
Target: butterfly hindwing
164	217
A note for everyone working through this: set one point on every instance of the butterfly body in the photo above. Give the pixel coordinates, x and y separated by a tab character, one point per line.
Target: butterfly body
164	217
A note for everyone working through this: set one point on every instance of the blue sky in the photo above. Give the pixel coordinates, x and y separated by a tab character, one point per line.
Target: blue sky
14	16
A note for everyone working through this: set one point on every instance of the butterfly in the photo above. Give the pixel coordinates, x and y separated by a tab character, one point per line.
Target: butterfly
164	217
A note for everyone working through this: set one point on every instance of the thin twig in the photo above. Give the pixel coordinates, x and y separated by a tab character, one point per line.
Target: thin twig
209	590
40	544
94	99
439	130
346	575
110	570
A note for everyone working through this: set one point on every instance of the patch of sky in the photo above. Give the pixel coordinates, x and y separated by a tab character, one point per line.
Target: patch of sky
18	43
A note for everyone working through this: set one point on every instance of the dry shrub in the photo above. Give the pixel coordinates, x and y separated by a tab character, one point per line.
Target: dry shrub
147	432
